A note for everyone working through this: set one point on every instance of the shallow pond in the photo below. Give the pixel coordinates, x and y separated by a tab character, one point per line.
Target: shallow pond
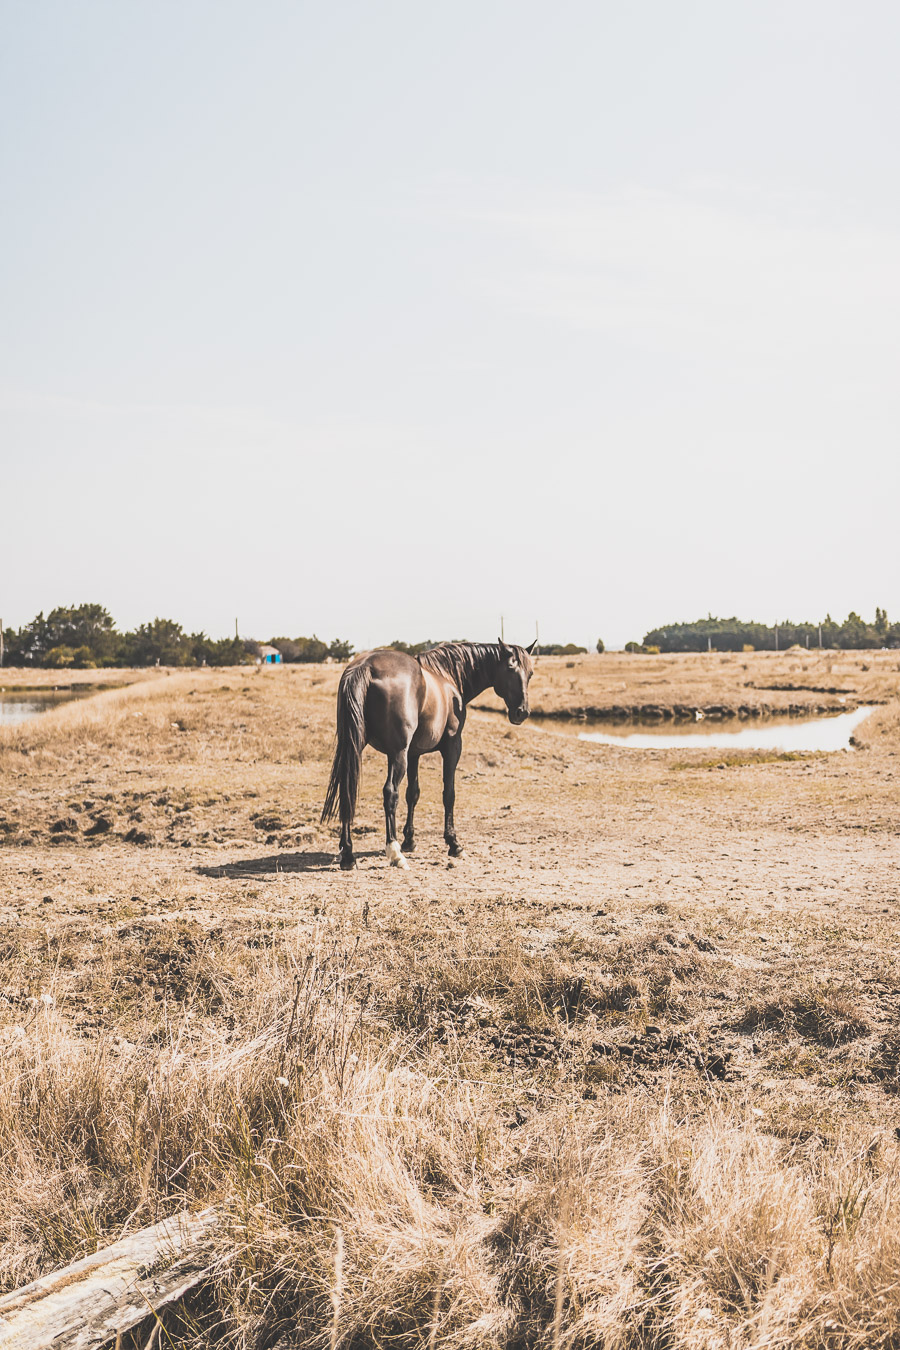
770	733
20	705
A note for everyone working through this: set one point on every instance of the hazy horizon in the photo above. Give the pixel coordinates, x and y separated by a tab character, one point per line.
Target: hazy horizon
383	323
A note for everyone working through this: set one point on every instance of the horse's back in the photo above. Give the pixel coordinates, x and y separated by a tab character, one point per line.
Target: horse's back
394	696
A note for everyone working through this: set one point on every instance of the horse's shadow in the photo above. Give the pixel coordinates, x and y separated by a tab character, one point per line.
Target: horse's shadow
277	863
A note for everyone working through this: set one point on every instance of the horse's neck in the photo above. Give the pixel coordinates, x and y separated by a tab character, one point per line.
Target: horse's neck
481	675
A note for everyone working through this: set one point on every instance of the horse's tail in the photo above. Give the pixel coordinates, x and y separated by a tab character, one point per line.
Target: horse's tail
351	738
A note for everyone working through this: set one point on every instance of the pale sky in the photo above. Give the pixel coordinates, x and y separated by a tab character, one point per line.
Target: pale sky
382	320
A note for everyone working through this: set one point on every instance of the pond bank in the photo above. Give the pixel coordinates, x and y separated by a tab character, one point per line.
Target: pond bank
694	712
685	712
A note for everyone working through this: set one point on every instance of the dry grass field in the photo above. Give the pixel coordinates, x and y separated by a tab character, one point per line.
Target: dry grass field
626	1077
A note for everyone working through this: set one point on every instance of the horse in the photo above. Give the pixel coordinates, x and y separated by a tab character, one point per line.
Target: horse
407	706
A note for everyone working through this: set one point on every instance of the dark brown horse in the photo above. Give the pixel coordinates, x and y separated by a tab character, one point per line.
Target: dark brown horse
405	707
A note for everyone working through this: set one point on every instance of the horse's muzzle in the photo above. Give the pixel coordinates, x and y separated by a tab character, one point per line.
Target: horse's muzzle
517	716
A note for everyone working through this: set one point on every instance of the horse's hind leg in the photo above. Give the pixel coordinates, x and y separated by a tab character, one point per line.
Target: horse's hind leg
396	770
412	796
347	860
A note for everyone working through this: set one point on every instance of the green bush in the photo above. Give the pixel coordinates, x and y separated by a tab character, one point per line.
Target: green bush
59	657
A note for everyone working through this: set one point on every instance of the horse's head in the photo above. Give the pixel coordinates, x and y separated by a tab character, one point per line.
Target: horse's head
513	674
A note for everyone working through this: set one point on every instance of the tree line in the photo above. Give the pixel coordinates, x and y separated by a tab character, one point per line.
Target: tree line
736	635
545	648
86	636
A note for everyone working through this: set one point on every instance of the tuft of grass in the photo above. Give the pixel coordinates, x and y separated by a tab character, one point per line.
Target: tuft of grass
823	1012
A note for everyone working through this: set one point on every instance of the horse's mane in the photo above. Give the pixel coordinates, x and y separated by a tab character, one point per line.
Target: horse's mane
460	661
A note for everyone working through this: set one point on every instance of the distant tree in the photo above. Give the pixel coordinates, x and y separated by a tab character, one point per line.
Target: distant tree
161	641
412	648
632	646
340	651
217	652
89	626
16	650
600	646
301	649
78	626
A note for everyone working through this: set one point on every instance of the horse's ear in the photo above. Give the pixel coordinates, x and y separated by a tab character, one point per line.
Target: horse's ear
534	649
503	646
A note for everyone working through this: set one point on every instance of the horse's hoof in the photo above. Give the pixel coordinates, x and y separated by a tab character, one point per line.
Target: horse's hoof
394	855
347	864
408	846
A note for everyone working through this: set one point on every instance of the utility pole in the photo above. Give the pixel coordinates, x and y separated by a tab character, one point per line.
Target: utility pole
236	633
502	633
776	637
820	637
537	634
1	642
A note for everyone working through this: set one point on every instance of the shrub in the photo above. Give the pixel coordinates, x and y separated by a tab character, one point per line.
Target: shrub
562	649
59	657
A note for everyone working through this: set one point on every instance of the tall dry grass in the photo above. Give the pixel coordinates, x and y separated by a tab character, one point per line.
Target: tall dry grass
376	1192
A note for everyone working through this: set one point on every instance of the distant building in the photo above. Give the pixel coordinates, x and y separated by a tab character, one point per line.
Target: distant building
268	656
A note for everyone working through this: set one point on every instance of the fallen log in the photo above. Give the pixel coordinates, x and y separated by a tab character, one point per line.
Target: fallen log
94	1300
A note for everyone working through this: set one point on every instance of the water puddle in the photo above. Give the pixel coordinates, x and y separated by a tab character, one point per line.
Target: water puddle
20	705
771	733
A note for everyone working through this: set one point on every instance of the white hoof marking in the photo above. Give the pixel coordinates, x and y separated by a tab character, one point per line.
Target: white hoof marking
395	856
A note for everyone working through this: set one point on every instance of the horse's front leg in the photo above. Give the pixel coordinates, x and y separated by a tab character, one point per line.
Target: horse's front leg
412	796
451	749
396	770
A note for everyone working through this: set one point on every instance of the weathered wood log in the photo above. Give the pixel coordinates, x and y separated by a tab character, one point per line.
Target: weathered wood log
92	1301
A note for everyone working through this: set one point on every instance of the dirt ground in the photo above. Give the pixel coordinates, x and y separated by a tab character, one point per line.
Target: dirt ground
725	926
